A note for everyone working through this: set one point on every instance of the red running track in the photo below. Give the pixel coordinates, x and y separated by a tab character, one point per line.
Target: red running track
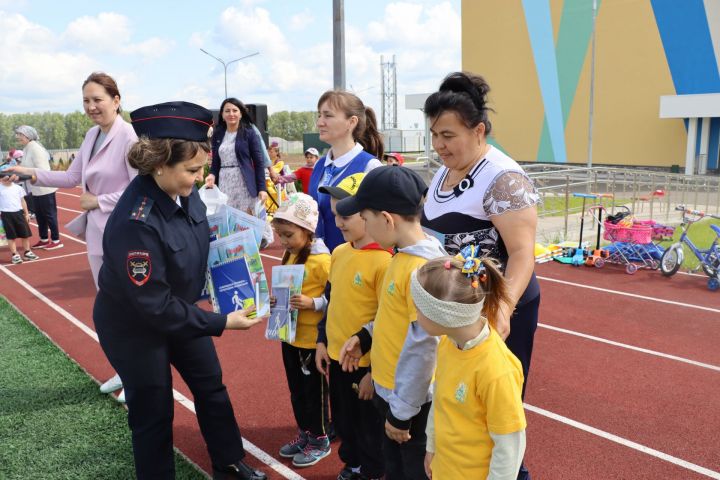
621	386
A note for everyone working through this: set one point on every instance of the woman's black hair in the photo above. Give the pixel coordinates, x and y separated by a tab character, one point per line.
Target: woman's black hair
246	119
465	94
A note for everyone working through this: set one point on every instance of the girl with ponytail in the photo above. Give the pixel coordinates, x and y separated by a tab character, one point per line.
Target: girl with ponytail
476	428
350	128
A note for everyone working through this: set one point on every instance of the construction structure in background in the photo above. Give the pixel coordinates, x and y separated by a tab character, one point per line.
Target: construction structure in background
388	94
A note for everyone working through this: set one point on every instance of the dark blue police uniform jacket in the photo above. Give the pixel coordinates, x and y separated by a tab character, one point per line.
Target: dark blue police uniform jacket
154	262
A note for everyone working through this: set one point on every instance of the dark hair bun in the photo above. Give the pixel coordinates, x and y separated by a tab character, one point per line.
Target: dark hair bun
464	93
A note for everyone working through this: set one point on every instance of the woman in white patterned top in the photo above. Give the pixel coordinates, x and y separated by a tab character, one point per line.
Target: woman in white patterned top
481	196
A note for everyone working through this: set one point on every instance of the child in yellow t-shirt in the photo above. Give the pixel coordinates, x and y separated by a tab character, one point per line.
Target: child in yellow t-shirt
477	425
357	270
294	223
403	354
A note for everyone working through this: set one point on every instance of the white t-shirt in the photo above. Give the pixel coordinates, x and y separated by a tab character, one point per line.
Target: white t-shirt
495	185
11	198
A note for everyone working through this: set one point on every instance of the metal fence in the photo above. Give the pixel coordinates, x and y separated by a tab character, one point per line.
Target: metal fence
647	193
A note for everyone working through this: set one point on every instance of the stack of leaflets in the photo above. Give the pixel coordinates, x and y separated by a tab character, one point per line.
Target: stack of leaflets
228	220
236	279
286	281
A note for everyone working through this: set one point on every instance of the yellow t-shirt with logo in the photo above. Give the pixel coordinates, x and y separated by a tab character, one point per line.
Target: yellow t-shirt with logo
317	269
356	279
395	312
477	391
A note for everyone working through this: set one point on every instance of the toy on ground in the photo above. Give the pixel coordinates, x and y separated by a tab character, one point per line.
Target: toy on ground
630	242
709	258
598	256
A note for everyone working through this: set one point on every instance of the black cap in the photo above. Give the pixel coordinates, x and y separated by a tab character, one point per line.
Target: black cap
181	120
391	189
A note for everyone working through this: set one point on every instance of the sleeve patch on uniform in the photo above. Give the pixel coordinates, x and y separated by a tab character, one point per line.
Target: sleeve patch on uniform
139	267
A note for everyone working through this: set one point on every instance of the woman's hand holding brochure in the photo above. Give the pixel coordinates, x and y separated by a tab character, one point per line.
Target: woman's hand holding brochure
238	320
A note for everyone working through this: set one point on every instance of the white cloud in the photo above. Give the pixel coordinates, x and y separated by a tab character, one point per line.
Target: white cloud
301	21
106	32
110	32
247	31
36	75
43	69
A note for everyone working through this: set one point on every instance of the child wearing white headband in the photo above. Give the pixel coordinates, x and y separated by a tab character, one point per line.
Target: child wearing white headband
477	424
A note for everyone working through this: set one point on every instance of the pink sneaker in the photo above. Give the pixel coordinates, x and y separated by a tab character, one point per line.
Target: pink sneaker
41	244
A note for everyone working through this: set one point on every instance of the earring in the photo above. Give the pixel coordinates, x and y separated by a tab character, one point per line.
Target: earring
159	172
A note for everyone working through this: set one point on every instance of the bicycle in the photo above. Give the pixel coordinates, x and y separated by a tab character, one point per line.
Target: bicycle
709	258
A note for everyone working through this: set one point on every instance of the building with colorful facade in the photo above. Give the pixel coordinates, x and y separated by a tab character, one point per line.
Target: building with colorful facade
652	74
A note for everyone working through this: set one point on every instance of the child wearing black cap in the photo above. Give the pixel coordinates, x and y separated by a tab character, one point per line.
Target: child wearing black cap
357	270
403	354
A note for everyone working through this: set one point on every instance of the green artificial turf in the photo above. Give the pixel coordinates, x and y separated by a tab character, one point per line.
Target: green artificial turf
54	422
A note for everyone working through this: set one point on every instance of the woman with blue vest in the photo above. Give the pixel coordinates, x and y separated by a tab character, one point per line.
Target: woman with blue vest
350	128
238	165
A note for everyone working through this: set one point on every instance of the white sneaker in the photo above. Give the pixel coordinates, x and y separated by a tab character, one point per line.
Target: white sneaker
121	397
111	385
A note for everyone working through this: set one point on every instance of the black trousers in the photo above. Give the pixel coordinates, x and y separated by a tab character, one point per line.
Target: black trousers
143	362
46	216
308	394
523	325
405	461
357	422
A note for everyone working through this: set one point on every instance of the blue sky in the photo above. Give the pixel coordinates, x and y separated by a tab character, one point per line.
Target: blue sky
152	48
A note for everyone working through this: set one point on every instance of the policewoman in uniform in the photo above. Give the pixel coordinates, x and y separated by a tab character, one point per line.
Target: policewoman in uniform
155	254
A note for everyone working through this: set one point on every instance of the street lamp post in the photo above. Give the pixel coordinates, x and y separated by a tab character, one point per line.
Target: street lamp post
226	65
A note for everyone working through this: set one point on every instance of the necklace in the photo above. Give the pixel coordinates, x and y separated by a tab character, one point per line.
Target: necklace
464	171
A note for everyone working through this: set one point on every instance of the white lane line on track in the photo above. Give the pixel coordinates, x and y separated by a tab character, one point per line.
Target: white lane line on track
68	194
45	259
64	313
633	295
624	442
69	237
251	448
70	210
631	347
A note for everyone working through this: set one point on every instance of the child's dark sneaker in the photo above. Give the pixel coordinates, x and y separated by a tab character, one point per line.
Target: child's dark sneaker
15	259
347	474
29	255
289	450
315	450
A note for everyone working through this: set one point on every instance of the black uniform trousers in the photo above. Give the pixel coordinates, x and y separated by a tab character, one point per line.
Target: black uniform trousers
143	362
523	324
46	216
405	461
357	422
308	395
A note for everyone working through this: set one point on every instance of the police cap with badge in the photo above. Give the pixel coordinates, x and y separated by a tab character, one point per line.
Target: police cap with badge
179	120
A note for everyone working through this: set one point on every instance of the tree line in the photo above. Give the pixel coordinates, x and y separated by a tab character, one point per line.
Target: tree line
67	131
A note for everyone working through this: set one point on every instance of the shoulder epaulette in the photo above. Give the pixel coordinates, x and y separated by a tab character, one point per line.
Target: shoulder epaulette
141	209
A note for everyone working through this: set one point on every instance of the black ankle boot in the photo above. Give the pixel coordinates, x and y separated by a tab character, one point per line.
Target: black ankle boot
237	470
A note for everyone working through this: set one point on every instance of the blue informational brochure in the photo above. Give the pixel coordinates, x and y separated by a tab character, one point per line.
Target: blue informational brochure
232	286
286	282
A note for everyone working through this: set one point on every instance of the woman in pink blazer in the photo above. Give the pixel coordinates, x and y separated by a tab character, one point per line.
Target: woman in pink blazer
100	168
